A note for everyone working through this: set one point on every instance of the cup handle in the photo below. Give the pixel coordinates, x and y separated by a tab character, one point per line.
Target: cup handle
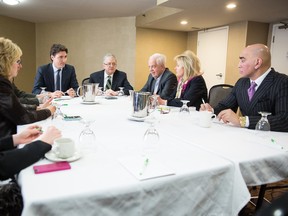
56	150
213	116
78	91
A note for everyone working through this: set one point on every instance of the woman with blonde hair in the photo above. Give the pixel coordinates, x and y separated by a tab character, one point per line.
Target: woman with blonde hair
191	84
12	113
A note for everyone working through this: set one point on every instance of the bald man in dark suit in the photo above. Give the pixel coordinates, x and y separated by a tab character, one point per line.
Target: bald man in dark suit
271	92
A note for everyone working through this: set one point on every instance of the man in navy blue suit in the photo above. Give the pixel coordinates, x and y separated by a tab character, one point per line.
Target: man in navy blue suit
58	77
271	92
110	78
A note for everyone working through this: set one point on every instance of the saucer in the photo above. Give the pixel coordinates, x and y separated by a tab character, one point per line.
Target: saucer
138	119
52	157
89	102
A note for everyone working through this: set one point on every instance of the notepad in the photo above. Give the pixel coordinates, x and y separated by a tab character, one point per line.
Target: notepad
145	168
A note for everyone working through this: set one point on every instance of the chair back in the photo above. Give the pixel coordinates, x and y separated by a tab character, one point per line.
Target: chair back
218	92
85	81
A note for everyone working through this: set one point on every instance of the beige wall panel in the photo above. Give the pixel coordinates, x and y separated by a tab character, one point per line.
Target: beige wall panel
23	34
257	33
88	41
149	41
192	41
236	42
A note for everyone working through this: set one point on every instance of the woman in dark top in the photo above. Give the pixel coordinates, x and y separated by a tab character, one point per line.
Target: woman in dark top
191	84
12	113
13	160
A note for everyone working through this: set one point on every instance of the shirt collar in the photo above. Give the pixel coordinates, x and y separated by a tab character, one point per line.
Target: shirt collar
56	69
106	75
260	79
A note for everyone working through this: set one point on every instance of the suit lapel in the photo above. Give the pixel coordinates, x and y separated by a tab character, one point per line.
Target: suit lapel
115	79
101	79
64	79
262	89
51	77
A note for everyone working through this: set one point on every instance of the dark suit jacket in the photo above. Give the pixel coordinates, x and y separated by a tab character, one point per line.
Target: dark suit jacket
13	160
45	78
12	113
194	92
119	80
271	96
167	86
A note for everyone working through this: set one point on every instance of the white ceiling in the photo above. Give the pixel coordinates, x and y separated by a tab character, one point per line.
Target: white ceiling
167	15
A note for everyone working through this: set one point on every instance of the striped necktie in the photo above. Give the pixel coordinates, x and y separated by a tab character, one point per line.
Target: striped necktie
58	80
109	83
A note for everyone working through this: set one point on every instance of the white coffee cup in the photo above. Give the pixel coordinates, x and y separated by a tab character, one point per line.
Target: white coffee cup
64	147
205	118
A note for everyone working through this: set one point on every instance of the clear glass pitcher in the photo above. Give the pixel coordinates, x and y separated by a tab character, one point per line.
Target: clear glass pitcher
89	91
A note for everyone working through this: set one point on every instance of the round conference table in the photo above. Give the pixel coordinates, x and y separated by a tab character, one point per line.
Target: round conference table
195	170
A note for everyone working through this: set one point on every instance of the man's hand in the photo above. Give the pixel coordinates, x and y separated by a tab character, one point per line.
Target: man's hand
71	92
206	107
228	116
110	92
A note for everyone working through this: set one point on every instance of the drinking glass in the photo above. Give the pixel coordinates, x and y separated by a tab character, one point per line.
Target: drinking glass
153	104
58	111
100	91
184	109
263	123
150	138
121	91
87	138
43	92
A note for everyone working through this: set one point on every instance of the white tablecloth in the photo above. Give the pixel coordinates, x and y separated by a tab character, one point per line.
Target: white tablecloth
211	166
261	156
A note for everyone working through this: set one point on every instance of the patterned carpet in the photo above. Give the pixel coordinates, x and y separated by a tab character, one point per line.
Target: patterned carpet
270	195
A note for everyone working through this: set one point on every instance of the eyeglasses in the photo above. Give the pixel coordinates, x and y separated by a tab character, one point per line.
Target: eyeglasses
110	64
19	62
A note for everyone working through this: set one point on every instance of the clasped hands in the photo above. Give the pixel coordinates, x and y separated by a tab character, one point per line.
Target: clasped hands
227	115
110	92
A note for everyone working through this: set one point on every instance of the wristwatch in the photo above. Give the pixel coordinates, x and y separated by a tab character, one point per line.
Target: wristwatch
242	121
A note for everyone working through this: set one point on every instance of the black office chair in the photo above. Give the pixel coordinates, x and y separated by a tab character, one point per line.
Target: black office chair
277	207
85	81
218	93
261	195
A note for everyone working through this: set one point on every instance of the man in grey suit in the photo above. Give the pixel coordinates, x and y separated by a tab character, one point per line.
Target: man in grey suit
270	92
110	78
58	77
160	81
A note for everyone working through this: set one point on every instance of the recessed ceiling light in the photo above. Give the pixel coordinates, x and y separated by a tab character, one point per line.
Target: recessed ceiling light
231	6
184	22
11	2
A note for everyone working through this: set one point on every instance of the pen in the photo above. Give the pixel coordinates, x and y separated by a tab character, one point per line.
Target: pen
39	129
203	101
144	166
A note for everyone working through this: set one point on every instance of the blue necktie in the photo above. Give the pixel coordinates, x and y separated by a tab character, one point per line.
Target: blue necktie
58	80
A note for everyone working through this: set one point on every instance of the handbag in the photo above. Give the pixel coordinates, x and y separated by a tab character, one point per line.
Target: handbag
11	202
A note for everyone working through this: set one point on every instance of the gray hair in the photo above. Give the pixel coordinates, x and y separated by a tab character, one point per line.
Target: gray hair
109	55
160	59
